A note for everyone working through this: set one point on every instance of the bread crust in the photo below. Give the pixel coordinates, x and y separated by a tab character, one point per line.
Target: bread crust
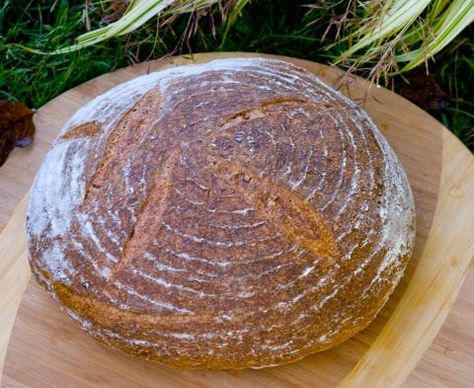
235	214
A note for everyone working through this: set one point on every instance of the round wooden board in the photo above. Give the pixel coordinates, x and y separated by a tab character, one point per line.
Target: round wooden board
46	349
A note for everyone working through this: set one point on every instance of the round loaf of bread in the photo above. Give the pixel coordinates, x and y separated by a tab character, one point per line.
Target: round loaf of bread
234	214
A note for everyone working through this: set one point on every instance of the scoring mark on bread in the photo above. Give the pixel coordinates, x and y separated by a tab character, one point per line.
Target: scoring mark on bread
89	129
123	141
262	110
157	197
277	203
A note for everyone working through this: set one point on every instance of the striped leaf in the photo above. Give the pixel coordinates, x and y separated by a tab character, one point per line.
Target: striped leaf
457	17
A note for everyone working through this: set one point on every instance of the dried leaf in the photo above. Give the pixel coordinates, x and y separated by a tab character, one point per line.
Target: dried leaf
16	127
423	90
117	8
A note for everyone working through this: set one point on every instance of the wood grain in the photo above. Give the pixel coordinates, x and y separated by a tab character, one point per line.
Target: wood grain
46	347
14	274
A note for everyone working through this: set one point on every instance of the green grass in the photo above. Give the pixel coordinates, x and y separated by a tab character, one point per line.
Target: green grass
269	26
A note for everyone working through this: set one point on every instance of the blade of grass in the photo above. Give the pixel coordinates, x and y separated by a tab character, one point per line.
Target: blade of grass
234	14
137	14
457	17
400	14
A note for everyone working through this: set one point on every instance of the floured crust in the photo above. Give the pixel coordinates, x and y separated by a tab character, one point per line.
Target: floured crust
235	214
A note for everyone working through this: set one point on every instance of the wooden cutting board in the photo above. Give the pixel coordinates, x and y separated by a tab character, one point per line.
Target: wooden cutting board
46	349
